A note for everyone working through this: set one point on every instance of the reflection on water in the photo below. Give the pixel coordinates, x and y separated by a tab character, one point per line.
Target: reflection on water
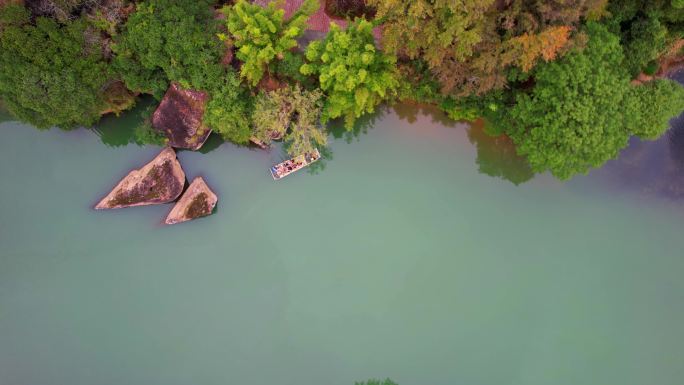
652	168
676	142
213	142
116	131
647	167
4	115
361	126
496	156
411	111
319	166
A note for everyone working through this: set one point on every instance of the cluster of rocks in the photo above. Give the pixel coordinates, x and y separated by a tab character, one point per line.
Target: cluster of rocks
162	180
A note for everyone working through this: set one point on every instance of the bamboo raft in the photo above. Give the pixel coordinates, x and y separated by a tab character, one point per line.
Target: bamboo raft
297	163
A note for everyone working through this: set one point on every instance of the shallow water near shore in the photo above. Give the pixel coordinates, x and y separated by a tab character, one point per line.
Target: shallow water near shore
421	251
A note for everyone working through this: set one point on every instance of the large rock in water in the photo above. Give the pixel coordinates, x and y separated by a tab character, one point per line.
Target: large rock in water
179	117
197	201
159	181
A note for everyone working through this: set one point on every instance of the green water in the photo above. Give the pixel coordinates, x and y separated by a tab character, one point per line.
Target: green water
401	258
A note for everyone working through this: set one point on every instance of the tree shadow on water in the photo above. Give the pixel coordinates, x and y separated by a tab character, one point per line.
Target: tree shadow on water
361	126
676	142
320	165
117	131
338	131
652	168
410	112
5	116
213	142
496	156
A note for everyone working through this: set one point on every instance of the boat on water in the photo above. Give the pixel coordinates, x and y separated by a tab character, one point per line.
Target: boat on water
297	163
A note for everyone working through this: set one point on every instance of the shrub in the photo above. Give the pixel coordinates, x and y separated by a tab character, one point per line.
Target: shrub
353	73
262	35
228	110
293	114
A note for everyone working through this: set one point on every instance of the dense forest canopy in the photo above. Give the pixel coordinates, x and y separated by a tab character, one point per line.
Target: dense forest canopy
169	40
568	81
51	73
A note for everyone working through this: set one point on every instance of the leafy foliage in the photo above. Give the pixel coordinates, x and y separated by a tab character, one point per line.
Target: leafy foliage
169	40
262	35
288	69
497	156
527	48
227	113
417	83
651	106
49	73
144	134
573	119
646	40
470	45
293	114
354	74
434	31
583	109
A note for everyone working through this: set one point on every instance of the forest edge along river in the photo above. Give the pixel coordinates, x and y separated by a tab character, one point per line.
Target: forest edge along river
416	248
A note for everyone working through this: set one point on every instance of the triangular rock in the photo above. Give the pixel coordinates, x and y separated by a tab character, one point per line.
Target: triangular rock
159	181
197	201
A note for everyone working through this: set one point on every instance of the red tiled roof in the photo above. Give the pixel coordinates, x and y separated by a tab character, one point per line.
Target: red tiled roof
319	21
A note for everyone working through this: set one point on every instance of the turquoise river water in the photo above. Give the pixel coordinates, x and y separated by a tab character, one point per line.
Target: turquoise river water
421	250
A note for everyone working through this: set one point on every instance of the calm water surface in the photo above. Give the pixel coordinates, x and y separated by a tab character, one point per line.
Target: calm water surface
422	251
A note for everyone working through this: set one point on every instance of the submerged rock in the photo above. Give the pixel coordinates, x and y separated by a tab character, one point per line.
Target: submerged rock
179	117
159	181
197	201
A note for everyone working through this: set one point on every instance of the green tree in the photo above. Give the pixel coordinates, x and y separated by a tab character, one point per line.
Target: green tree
50	74
583	109
228	110
262	35
353	73
169	40
651	106
470	45
573	120
432	30
293	114
288	69
645	41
